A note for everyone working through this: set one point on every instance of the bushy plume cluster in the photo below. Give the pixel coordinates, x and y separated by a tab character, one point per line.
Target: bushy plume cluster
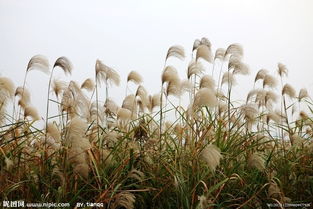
6	93
200	143
74	101
212	156
78	146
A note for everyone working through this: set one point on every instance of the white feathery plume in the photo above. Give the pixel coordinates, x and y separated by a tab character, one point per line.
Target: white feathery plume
6	92
176	51
212	156
38	62
194	68
169	73
234	50
220	54
303	93
204	52
238	66
134	77
124	114
129	102
205	97
207	82
23	93
88	84
78	146
58	87
7	86
289	90
54	132
282	70
31	112
260	75
256	160
228	78
143	94
65	64
273	116
269	81
196	44
111	106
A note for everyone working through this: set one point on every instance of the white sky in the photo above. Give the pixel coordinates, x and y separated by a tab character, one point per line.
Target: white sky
135	35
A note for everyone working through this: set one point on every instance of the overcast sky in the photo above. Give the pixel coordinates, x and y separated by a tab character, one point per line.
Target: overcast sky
135	35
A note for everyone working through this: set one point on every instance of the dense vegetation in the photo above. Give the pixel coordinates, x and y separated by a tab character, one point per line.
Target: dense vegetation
214	153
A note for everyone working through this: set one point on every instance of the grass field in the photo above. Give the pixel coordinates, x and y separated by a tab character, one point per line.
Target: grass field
214	153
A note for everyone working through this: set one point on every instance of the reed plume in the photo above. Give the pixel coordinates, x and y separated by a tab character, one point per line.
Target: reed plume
303	93
235	50
256	160
58	87
38	62
212	156
176	51
134	77
6	93
289	91
282	70
260	75
204	52
31	112
78	145
194	68
205	97
65	64
269	81
207	82
88	84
